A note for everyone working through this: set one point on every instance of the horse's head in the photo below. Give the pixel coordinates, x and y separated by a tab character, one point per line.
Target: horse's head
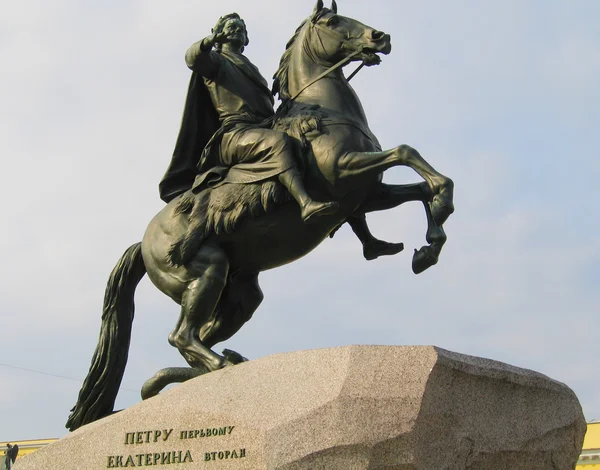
333	37
325	39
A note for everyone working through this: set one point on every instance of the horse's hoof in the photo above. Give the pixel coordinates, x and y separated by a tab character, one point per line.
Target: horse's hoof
233	357
424	259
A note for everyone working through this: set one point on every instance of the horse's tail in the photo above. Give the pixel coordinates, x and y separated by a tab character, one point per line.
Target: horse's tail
99	391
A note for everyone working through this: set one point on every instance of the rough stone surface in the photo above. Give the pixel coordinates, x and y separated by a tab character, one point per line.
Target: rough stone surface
355	407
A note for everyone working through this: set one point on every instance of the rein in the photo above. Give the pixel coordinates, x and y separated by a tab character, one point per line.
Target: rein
334	67
327	72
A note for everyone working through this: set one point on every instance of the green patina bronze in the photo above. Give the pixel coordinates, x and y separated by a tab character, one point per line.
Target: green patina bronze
250	189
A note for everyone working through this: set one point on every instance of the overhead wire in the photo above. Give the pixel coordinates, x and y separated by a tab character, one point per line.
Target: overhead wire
54	375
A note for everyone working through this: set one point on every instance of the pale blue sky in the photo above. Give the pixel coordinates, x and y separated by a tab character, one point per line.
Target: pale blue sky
500	95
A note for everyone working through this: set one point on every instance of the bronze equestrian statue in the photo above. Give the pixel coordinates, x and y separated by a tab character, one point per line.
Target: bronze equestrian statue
250	190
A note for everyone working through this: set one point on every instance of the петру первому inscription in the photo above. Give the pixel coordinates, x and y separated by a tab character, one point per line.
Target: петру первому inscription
208	432
145	437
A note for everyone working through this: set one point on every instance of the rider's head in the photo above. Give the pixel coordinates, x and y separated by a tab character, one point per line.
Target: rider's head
234	27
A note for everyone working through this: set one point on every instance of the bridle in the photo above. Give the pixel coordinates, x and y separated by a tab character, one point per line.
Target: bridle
334	67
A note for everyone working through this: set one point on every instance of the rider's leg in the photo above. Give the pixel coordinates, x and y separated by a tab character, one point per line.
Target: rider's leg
274	152
209	269
372	247
292	180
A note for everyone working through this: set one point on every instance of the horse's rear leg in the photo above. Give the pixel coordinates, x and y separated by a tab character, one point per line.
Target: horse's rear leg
208	270
240	299
367	164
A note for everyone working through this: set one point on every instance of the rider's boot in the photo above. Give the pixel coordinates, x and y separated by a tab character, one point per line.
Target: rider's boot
373	248
310	209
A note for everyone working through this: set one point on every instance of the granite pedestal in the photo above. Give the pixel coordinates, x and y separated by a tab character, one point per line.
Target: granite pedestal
347	408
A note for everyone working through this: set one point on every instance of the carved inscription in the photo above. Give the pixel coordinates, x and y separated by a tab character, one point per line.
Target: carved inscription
208	432
224	455
150	459
145	437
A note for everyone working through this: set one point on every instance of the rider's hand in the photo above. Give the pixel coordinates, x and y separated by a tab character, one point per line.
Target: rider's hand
220	37
209	41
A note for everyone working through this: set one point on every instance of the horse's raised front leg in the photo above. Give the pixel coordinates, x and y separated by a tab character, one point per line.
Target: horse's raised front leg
389	196
208	273
428	255
366	164
384	197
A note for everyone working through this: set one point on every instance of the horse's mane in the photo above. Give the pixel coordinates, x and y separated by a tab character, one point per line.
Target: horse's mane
280	79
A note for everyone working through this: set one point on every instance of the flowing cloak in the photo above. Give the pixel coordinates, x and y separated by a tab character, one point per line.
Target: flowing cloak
196	162
199	123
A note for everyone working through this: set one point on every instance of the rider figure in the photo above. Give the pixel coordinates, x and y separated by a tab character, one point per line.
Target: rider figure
244	148
243	101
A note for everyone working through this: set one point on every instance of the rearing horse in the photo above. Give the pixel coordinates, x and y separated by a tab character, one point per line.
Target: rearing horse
226	235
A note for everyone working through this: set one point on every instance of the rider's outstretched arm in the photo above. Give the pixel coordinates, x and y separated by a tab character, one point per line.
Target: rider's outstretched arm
200	59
